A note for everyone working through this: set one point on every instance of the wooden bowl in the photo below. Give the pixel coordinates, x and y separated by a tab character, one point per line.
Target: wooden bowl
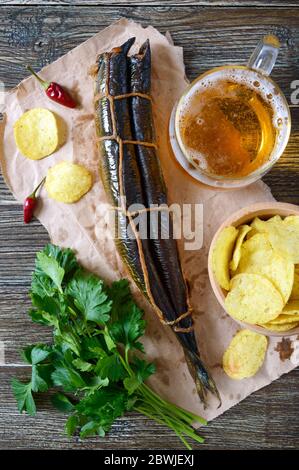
245	216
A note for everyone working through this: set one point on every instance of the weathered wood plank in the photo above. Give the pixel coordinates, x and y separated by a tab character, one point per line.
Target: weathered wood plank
210	36
283	178
16	328
118	3
263	416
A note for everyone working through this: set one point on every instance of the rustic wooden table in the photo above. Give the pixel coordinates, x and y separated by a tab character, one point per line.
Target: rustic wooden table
212	33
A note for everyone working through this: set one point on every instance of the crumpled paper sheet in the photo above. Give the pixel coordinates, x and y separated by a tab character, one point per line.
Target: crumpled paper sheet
83	226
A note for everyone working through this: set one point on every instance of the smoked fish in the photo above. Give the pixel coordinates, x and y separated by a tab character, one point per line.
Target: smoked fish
133	180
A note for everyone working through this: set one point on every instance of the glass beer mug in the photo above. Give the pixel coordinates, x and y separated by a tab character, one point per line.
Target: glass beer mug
233	122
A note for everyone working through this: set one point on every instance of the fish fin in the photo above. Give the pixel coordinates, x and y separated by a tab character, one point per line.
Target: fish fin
201	377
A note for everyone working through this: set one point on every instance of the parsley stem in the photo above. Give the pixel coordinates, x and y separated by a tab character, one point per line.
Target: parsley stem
174	417
127	355
125	364
175	424
182	413
163	421
181	437
191	415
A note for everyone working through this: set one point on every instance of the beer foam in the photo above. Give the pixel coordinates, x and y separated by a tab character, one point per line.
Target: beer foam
266	88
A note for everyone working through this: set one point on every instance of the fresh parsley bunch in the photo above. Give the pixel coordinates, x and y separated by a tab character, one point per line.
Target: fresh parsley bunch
92	360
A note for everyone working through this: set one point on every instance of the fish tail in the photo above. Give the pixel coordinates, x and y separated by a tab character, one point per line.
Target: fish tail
126	46
201	377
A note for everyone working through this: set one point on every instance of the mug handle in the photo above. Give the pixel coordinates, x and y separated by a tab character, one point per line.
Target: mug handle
264	55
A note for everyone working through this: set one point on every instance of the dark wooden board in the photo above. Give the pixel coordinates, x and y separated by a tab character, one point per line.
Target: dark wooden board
176	3
210	36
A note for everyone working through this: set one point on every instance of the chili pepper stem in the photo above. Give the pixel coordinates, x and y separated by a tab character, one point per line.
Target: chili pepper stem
33	195
43	83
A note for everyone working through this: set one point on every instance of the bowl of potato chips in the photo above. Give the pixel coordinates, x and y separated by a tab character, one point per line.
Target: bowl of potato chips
254	268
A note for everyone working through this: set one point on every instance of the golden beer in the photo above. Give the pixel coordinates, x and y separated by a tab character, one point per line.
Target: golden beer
228	127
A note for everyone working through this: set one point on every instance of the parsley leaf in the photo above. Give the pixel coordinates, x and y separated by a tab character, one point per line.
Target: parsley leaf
71	425
23	395
95	383
120	293
40	373
81	365
35	353
68	379
42	285
91	428
68	339
89	297
143	369
92	348
50	267
65	257
53	264
38	384
42	318
46	304
104	406
62	402
111	367
131	384
39	353
128	326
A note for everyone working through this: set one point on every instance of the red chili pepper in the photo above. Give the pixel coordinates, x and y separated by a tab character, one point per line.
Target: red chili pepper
30	203
55	92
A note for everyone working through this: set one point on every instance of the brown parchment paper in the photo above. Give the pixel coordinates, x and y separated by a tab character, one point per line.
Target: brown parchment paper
83	226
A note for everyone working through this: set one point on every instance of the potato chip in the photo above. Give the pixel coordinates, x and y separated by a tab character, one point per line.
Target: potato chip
36	133
253	299
245	354
252	232
285	327
258	224
292	220
222	255
243	230
283	235
284	319
275	219
258	257
295	289
68	182
291	308
257	241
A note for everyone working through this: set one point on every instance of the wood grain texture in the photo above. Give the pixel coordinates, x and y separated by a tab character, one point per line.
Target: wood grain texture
210	36
176	3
